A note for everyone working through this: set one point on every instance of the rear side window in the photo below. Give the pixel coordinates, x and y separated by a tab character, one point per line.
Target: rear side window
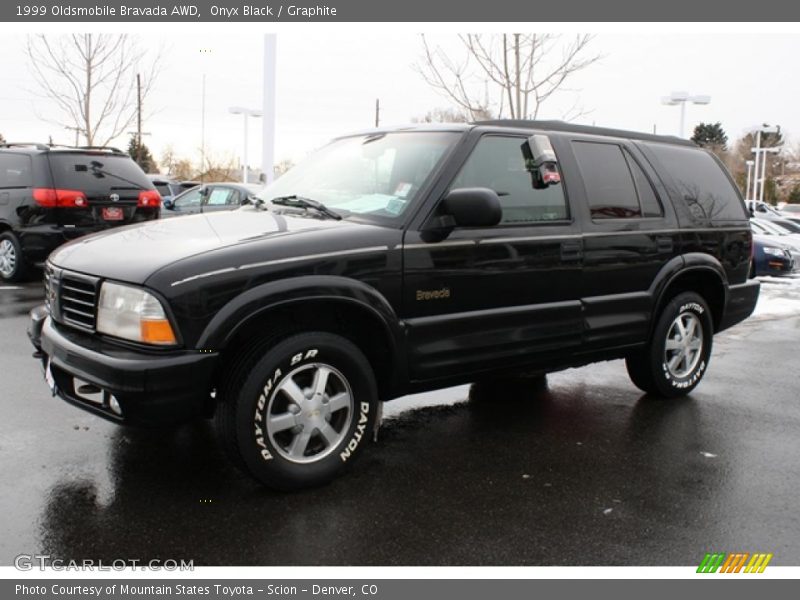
15	171
498	163
221	197
694	176
163	189
97	174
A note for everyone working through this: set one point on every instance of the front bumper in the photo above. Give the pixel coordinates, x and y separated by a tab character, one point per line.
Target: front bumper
151	389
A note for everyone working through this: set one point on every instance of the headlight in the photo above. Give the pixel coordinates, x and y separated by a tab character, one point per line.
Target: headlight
133	314
774	251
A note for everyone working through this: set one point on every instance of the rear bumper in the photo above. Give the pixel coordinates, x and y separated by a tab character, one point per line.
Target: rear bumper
741	303
40	240
151	389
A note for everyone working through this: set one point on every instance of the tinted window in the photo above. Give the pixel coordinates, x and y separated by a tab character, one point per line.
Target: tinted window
651	207
15	170
700	181
163	189
608	181
97	173
498	163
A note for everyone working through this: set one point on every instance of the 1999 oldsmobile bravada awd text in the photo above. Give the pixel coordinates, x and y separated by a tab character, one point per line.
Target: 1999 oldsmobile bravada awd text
397	261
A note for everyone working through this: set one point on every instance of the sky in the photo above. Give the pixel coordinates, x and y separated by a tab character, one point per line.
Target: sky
327	84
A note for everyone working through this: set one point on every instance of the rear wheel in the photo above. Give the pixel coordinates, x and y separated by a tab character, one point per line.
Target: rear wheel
299	414
677	357
12	263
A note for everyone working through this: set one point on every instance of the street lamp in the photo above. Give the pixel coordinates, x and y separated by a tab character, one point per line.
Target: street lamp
681	98
749	164
247	112
760	171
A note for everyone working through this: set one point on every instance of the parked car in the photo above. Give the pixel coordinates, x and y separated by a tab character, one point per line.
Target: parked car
211	197
398	261
779	233
763	210
772	257
166	186
49	195
791	210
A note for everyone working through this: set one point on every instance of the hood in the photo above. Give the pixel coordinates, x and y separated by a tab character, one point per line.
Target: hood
135	252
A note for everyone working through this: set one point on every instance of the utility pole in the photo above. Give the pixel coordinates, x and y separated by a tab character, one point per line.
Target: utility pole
377	112
77	131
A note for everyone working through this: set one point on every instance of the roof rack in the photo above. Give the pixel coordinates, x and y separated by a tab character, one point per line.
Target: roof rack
563	126
36	145
106	148
46	147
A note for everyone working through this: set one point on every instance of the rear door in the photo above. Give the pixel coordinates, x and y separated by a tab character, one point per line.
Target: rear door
219	198
111	182
630	233
501	296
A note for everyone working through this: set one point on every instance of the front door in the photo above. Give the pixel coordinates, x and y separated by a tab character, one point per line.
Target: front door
494	297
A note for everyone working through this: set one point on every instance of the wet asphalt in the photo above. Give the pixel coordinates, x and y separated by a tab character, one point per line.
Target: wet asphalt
582	470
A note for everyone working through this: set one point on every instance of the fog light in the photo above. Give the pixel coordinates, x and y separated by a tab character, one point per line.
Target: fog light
115	407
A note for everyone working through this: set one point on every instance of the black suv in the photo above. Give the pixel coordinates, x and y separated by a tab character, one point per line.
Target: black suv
52	194
399	261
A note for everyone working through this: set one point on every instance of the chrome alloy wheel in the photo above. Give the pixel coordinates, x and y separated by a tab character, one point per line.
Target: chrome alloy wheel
8	258
684	346
309	413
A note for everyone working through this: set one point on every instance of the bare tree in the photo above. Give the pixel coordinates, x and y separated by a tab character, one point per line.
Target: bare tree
91	78
444	115
505	74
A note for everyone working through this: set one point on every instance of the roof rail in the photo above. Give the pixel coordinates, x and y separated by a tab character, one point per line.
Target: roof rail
36	145
562	126
107	148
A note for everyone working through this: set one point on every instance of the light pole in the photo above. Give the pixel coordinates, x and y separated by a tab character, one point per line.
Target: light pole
681	98
760	170
247	112
749	164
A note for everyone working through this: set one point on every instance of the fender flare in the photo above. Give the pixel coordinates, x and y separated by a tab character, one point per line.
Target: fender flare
284	292
692	262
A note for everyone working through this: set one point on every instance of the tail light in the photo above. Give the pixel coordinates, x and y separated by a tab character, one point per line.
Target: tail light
149	199
56	198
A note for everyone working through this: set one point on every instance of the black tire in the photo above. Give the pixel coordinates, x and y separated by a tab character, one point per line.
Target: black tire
266	386
11	250
674	372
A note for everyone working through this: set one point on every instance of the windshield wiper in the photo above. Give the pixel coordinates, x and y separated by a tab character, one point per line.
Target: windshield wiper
98	171
296	201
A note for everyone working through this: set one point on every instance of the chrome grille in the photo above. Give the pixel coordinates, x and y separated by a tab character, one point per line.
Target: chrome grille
77	301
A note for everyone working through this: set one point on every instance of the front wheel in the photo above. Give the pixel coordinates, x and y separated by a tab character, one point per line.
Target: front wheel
677	357
298	415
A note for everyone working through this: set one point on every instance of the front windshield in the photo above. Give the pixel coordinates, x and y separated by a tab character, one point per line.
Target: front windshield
376	175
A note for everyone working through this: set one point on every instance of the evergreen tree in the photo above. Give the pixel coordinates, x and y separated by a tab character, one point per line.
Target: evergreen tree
711	136
141	154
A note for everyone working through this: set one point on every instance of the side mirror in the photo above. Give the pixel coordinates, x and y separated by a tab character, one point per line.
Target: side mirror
472	207
168	204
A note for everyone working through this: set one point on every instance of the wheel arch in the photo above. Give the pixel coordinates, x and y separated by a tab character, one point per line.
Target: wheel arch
700	273
337	305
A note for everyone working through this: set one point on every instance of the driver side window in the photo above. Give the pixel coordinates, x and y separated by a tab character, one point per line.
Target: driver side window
190	199
498	163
